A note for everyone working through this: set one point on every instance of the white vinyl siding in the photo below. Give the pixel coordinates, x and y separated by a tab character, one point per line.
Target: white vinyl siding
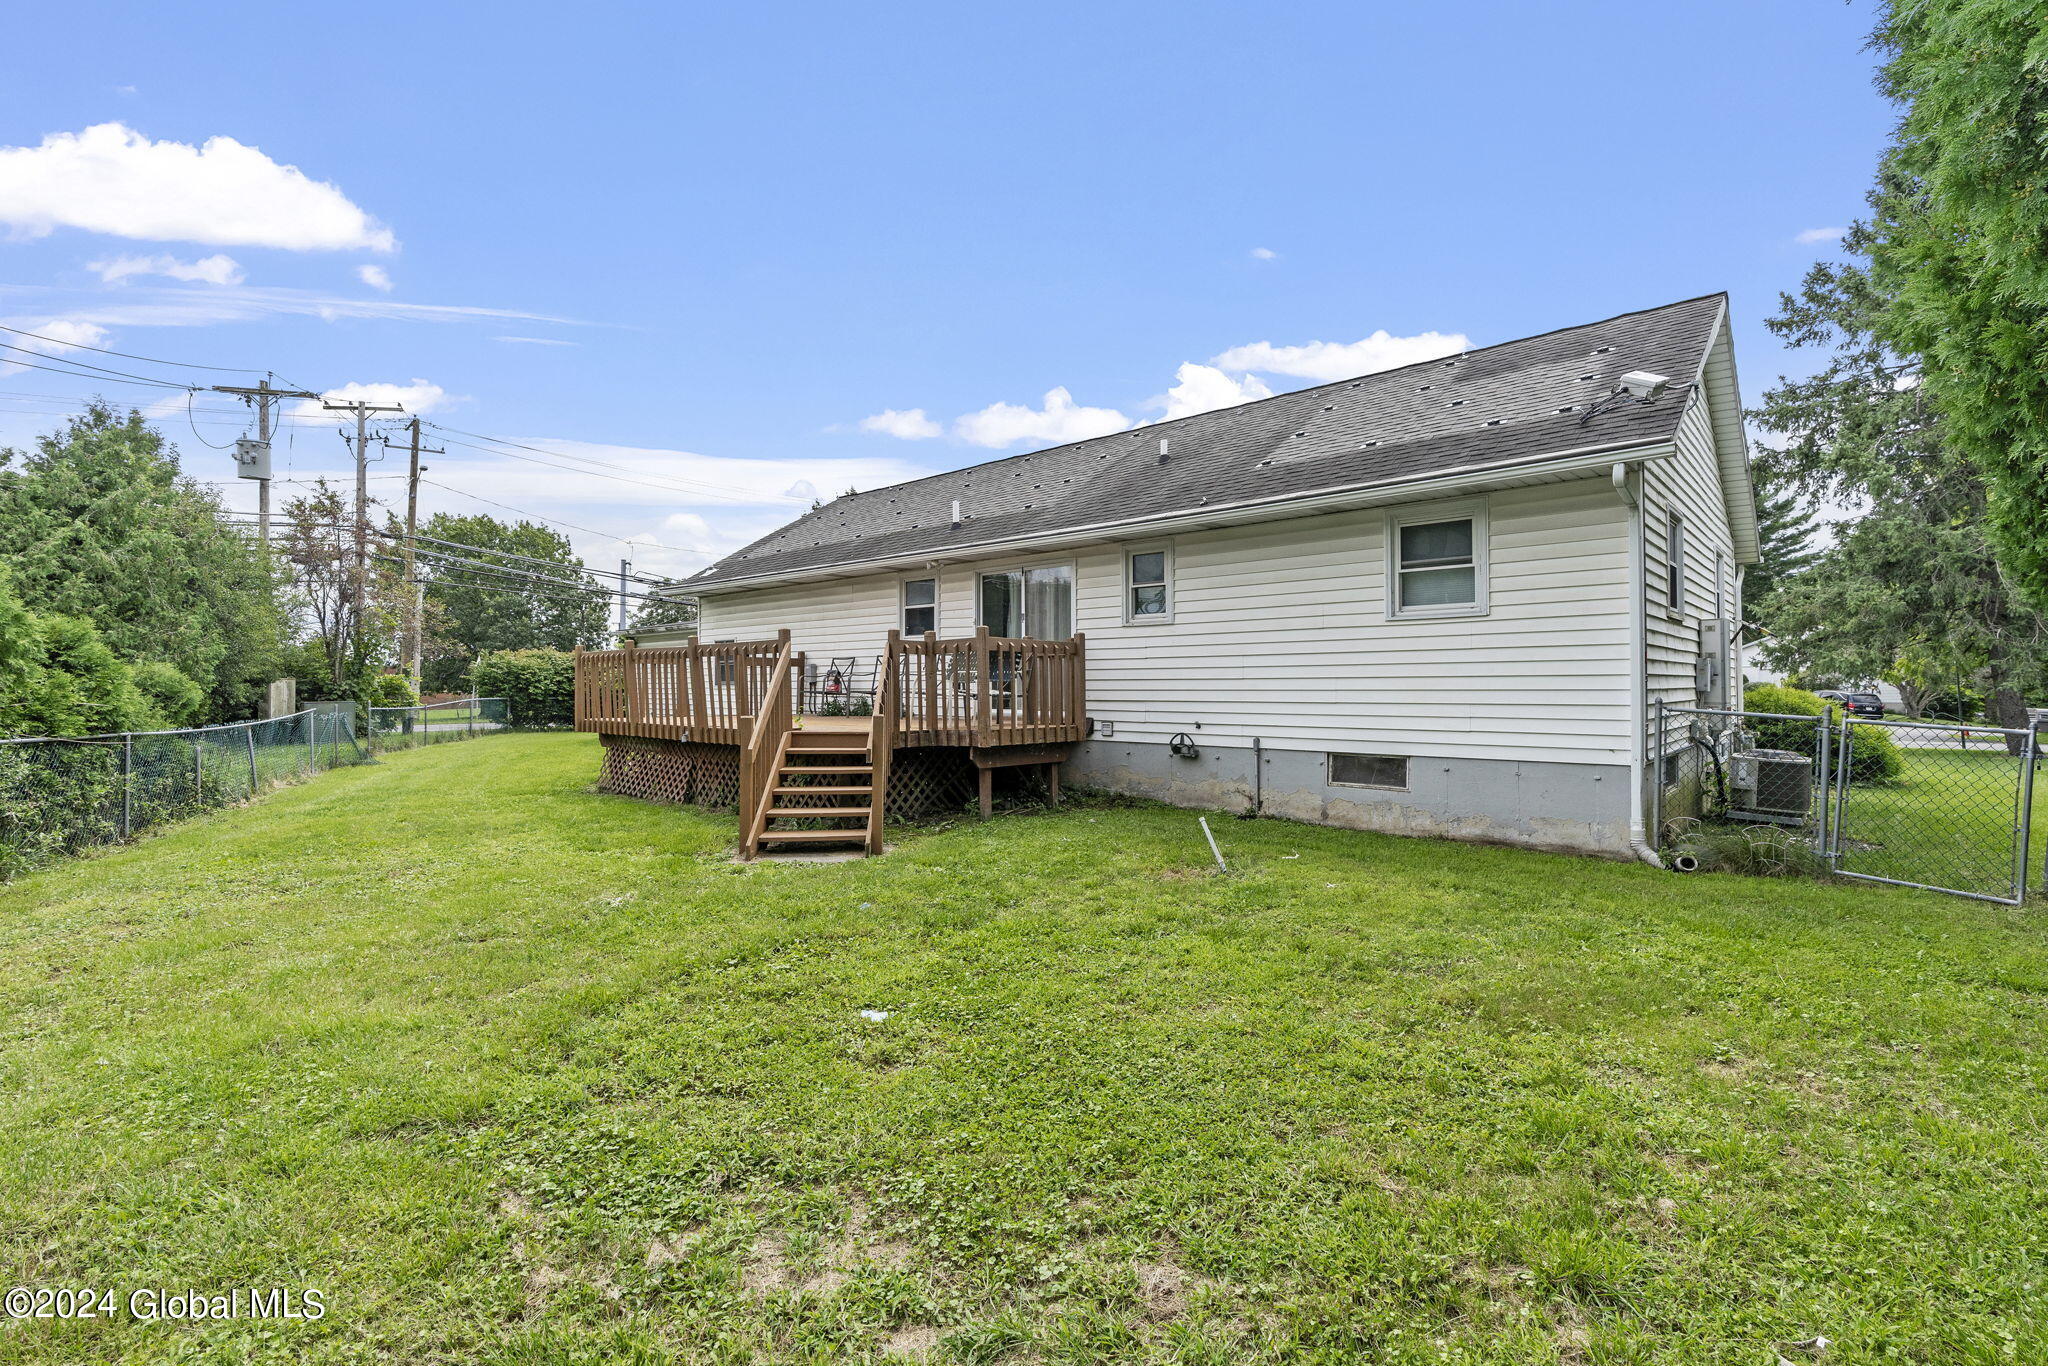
1280	631
1688	484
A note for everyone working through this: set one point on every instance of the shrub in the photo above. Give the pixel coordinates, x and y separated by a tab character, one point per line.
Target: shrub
539	686
390	690
1874	755
178	700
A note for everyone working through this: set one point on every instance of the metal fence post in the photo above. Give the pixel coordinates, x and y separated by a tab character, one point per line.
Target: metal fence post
198	769
1656	767
1845	758
250	733
312	743
1823	777
127	785
2026	832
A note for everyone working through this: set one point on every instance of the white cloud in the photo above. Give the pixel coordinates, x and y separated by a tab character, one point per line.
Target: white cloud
909	423
212	270
1058	422
1813	235
1265	254
242	303
111	179
1204	388
416	398
537	341
376	277
1325	361
802	489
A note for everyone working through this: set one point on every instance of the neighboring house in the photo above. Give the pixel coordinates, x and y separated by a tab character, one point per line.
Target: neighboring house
1437	600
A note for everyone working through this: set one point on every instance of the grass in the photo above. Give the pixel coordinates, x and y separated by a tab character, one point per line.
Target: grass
516	1073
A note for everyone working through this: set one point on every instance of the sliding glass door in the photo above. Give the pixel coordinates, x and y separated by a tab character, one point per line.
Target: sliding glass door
1036	604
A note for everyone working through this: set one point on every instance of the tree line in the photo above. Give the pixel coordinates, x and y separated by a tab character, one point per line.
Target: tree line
131	599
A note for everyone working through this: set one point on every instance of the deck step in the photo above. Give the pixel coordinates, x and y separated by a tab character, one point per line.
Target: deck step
815	836
795	811
834	789
788	767
828	749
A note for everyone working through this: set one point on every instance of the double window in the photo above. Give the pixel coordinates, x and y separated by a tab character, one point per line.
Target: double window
920	606
1436	561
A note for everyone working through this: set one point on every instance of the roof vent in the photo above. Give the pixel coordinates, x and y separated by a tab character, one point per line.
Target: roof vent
1163	444
956	514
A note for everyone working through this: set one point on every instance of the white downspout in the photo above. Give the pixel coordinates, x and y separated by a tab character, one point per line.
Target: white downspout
1639	692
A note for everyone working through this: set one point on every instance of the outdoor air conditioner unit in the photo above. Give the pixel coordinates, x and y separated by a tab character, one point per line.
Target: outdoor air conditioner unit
1773	785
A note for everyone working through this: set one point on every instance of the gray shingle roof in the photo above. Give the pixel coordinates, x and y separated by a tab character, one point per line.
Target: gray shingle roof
1497	405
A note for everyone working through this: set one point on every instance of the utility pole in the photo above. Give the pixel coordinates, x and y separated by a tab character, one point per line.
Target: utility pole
362	411
262	397
625	567
416	596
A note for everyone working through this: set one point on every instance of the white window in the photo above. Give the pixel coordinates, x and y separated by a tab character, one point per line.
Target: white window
1436	561
1674	563
1148	585
920	606
1035	604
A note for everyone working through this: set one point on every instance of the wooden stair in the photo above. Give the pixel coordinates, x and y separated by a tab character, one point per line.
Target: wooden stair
835	776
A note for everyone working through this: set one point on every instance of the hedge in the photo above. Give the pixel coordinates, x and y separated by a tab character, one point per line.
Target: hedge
1874	755
539	686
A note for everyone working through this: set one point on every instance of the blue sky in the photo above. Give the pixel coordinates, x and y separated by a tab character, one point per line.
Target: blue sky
736	252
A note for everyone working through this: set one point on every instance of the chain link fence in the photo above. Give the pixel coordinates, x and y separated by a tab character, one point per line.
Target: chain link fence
433	723
62	796
1946	806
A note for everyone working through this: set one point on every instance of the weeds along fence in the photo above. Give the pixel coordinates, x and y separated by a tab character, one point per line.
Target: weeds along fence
1946	806
62	796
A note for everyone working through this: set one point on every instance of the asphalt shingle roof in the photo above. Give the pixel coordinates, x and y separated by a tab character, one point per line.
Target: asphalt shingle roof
1496	405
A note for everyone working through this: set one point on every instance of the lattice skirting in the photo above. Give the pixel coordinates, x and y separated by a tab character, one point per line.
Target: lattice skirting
670	771
922	782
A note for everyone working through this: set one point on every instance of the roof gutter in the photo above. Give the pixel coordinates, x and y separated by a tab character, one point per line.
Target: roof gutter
1580	459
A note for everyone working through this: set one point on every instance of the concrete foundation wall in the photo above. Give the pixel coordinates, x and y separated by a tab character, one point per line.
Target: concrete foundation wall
1579	808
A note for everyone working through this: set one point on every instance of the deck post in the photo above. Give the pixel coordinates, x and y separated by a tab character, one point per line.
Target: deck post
986	778
697	703
931	680
1078	702
576	707
632	689
984	660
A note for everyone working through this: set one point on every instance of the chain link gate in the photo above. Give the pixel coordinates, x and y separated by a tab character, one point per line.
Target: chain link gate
1938	805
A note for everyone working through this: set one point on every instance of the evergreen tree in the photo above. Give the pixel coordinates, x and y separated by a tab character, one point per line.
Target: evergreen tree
98	523
1958	245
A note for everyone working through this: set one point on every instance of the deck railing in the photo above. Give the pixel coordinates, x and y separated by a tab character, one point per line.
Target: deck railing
988	690
974	690
690	692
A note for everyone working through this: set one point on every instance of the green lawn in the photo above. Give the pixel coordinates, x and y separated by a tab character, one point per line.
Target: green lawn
516	1073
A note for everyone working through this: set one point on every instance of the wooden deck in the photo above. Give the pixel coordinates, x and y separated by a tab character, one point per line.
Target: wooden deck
1005	701
978	690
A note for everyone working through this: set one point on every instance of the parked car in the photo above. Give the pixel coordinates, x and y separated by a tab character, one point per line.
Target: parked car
1867	705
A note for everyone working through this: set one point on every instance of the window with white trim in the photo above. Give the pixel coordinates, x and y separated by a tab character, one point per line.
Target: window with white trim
1436	562
1148	591
920	606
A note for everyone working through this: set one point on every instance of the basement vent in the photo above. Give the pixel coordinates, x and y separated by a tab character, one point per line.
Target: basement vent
1388	771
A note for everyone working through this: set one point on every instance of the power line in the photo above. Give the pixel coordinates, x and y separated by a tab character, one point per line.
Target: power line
129	355
671	488
88	365
31	365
